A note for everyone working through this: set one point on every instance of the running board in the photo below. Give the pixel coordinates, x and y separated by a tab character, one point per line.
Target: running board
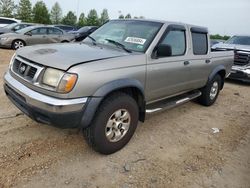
172	102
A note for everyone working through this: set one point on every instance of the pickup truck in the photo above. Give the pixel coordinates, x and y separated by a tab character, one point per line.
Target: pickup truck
241	46
111	80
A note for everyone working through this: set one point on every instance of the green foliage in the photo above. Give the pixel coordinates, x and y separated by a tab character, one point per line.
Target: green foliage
56	14
70	19
128	16
121	16
82	20
219	37
104	17
92	18
24	11
6	8
41	13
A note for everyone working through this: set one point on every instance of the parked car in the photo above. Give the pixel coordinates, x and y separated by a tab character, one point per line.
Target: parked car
66	28
34	35
6	21
107	83
215	41
12	28
83	32
241	46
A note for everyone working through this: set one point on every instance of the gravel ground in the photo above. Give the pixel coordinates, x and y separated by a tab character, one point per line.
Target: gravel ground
175	148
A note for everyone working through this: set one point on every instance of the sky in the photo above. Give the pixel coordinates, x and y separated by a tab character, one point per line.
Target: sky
225	17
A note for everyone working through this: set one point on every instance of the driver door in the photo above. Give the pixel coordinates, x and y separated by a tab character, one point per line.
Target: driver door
170	75
37	36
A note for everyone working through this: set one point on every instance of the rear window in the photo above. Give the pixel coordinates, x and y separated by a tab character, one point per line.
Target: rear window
200	43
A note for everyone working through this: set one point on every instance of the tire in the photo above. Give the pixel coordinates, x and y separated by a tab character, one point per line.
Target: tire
16	44
102	134
65	41
211	91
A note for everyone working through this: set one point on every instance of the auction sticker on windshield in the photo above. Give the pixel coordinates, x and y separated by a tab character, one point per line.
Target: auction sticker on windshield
135	40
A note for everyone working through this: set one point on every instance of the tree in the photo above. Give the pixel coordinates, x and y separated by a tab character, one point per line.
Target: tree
121	16
56	14
70	19
82	20
104	16
92	18
24	11
6	8
128	16
219	37
41	13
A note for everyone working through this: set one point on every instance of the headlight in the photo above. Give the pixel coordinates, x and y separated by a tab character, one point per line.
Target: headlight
4	38
59	80
12	60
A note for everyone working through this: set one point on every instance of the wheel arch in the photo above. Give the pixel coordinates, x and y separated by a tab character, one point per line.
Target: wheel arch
129	86
220	70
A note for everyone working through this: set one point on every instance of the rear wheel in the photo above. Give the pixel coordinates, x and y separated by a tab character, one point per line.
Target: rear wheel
114	124
17	44
211	91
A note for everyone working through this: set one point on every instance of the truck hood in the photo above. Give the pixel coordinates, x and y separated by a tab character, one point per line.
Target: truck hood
64	56
231	47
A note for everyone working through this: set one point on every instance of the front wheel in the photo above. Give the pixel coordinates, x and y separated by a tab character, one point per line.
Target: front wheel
211	91
114	124
17	44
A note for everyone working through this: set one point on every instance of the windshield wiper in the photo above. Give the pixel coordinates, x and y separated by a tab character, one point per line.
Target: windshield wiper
118	44
93	40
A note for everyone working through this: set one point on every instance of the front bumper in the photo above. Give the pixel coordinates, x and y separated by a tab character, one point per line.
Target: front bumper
5	43
238	73
64	113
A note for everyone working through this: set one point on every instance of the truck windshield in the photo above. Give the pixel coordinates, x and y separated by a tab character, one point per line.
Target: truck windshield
241	40
133	35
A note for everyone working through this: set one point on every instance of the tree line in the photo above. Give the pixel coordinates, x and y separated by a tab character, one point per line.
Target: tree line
39	13
219	37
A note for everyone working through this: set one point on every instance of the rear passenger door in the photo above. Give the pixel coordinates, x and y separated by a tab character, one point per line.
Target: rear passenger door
54	35
169	75
201	63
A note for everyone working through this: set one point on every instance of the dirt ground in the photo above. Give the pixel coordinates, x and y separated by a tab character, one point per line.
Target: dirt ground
175	148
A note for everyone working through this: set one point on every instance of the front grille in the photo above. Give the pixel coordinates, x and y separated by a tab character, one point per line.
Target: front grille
24	69
241	58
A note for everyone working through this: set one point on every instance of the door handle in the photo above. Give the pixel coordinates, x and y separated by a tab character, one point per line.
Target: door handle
186	62
208	61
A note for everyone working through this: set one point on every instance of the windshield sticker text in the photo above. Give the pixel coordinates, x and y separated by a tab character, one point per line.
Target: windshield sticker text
135	40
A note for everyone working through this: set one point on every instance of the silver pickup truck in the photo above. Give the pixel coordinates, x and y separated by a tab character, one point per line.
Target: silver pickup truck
111	80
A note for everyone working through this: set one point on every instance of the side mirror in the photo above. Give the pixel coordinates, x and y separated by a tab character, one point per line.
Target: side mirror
28	33
164	50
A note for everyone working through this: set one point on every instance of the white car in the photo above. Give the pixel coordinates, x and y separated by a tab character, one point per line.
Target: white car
6	21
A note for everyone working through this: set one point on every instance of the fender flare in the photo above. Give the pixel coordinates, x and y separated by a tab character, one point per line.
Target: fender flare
215	71
96	99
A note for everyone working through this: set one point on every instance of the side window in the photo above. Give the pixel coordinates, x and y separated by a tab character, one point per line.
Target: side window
39	31
54	31
200	43
18	27
177	40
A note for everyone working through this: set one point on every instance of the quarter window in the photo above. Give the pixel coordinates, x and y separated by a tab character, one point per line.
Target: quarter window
177	40
200	43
